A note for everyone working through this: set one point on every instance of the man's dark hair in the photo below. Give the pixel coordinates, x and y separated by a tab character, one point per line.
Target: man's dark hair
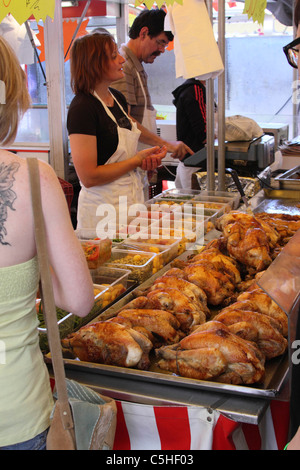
154	20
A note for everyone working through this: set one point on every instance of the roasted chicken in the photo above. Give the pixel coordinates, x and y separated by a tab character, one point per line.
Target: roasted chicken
217	285
286	225
213	352
191	290
246	240
253	326
222	263
110	343
174	301
162	325
168	298
259	301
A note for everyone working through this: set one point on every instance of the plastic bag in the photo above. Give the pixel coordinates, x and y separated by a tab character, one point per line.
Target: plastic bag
239	128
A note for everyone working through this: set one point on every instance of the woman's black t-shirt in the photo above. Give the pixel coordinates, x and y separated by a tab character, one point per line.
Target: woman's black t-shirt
87	116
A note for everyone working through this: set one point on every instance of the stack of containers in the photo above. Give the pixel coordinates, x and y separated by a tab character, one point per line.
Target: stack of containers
169	224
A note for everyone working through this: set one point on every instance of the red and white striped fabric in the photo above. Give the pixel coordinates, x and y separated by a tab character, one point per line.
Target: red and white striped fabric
146	427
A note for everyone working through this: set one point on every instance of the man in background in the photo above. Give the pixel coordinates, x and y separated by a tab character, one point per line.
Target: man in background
190	103
147	40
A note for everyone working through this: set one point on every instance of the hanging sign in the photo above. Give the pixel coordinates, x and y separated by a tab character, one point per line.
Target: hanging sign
69	28
255	9
21	10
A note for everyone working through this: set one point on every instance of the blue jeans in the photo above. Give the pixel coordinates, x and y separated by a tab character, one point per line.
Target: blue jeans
36	443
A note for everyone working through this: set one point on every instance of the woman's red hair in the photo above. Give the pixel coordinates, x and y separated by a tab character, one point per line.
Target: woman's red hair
88	60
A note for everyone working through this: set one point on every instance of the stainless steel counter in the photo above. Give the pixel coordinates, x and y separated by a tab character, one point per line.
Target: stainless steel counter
240	409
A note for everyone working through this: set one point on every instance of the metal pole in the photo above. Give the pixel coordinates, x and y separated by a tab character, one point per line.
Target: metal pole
78	26
34	48
210	132
221	99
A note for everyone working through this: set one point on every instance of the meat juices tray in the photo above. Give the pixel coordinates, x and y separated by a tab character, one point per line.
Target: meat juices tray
276	369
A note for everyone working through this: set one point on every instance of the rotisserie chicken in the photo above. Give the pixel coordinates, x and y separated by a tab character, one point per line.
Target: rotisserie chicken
192	291
163	326
253	326
223	263
259	301
174	301
286	225
168	298
213	352
246	240
217	285
111	344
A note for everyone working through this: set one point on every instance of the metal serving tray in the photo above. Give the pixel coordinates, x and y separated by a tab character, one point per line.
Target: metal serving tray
290	179
276	369
276	372
279	206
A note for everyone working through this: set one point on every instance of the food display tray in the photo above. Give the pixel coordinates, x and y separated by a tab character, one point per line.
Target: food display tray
270	388
290	179
276	369
279	206
189	195
125	259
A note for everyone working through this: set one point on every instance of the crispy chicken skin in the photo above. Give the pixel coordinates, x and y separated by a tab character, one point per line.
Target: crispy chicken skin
222	262
213	352
202	364
162	324
253	326
110	343
195	293
286	225
185	310
246	240
217	285
261	302
174	301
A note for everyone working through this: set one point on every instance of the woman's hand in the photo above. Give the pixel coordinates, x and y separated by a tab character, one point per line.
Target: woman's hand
151	158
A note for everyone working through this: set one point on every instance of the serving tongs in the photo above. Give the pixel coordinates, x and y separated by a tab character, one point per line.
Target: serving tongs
238	184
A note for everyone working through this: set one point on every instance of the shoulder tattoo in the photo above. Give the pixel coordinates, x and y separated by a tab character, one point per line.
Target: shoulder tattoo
7	195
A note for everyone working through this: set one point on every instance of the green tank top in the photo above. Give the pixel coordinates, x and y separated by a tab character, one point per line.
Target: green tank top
25	392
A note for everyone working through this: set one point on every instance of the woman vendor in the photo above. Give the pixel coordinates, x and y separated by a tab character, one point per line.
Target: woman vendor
103	137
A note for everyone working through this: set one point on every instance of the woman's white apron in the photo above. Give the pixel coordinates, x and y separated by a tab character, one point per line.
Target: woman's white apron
107	196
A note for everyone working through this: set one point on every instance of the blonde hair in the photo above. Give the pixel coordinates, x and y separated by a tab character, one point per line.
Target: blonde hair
14	96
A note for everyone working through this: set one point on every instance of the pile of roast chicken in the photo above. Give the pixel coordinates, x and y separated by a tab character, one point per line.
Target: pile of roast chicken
206	317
